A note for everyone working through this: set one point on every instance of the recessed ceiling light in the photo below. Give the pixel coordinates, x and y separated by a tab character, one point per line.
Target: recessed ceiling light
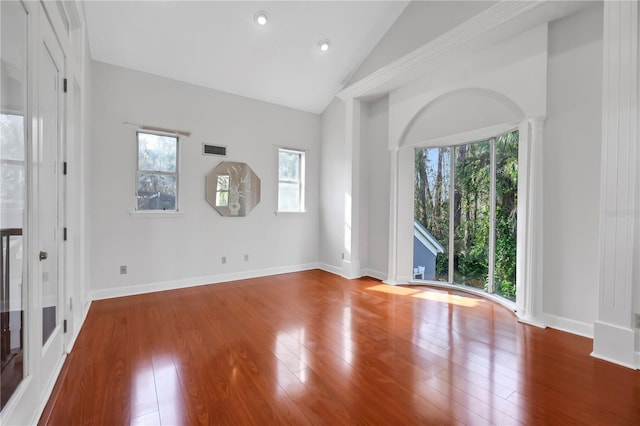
261	18
324	45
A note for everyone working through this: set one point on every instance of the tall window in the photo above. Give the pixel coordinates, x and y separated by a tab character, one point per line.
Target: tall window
290	180
465	200
157	177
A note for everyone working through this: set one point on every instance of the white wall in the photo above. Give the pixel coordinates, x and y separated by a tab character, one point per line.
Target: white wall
332	175
419	23
375	186
636	273
85	185
511	73
564	84
176	251
572	141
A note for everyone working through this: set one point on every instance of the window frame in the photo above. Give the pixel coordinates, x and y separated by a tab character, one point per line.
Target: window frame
156	212
13	162
490	135
301	181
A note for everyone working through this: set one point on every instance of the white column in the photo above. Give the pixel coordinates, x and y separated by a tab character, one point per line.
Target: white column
351	258
530	224
614	337
392	275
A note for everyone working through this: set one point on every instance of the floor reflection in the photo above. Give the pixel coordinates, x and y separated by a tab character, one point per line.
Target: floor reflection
293	360
313	348
143	393
156	395
347	340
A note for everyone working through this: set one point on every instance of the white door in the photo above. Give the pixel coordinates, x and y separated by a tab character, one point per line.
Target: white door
49	283
41	256
14	24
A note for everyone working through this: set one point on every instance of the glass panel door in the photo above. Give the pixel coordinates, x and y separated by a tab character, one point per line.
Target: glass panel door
13	200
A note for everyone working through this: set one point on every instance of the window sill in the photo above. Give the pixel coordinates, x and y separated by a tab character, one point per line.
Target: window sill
155	213
290	213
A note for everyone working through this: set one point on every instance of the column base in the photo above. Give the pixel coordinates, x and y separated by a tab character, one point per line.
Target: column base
615	344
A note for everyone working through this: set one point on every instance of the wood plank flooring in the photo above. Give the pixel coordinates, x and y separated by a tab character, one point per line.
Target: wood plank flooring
313	348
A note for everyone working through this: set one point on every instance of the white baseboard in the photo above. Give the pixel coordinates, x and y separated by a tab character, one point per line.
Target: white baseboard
110	293
570	326
48	389
374	274
532	322
336	270
404	279
616	361
77	328
615	343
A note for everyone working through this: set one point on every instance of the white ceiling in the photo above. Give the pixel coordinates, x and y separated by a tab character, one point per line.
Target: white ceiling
217	44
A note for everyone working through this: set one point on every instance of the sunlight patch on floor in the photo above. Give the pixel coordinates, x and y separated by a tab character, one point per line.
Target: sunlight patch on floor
452	299
435	296
391	289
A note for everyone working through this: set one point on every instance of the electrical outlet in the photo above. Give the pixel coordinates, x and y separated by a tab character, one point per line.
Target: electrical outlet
224	260
342	254
123	269
246	257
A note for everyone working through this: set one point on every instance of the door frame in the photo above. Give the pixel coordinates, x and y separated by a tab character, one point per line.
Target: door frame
52	354
42	363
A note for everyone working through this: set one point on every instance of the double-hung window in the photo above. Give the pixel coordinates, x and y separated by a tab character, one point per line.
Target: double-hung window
157	176
291	180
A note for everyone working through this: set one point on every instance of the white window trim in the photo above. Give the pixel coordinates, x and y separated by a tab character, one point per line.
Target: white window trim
157	213
303	186
476	136
529	257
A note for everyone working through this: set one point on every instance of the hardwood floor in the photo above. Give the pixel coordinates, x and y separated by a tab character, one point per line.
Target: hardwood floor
313	348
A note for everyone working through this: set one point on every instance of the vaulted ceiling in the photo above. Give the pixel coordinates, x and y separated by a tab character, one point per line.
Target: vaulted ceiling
219	45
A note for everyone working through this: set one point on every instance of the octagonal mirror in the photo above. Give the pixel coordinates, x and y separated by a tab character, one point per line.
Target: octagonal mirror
232	189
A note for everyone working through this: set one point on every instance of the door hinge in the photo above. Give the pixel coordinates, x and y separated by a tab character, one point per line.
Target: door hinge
64	168
64	326
64	234
64	85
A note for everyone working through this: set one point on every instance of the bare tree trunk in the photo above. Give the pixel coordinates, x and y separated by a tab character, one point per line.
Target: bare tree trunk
461	153
439	221
422	192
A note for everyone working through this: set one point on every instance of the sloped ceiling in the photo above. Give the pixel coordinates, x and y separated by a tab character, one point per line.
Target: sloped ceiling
217	44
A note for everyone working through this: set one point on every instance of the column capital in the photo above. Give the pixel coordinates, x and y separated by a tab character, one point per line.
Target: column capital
536	121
